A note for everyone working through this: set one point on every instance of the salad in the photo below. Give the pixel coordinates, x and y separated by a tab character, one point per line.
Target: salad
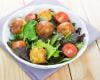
46	37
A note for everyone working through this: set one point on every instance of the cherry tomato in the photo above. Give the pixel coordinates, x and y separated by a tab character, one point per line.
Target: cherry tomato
69	50
30	16
18	44
61	17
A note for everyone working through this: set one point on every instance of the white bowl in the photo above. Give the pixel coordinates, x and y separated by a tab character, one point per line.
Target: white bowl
35	8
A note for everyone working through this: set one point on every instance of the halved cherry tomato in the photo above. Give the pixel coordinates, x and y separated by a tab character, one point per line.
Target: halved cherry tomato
18	44
30	16
61	17
69	50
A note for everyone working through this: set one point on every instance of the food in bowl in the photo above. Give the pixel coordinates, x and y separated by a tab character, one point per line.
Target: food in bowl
46	37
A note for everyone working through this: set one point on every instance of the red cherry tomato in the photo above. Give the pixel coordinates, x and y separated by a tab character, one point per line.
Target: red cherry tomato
30	16
18	44
69	50
61	17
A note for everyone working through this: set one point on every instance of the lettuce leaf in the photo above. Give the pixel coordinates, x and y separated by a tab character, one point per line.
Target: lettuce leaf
65	59
51	51
79	45
39	44
29	30
54	39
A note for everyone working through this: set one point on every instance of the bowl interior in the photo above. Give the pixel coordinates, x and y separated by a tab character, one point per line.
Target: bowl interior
36	8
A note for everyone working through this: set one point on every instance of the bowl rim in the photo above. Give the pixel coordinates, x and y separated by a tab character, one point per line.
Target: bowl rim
45	66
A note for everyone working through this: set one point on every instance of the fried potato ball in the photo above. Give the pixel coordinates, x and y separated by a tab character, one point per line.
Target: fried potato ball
17	25
45	15
38	55
44	29
65	28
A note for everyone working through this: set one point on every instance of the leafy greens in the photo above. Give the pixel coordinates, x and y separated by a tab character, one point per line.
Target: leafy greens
29	30
51	51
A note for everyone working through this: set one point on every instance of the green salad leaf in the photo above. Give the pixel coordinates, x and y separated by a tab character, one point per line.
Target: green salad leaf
54	39
72	37
65	59
51	51
39	44
79	45
57	53
18	36
29	30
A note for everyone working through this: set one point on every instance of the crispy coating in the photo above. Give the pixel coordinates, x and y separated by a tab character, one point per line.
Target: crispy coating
44	29
38	55
17	25
65	28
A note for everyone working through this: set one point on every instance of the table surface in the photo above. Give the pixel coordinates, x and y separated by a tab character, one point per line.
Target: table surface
87	67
